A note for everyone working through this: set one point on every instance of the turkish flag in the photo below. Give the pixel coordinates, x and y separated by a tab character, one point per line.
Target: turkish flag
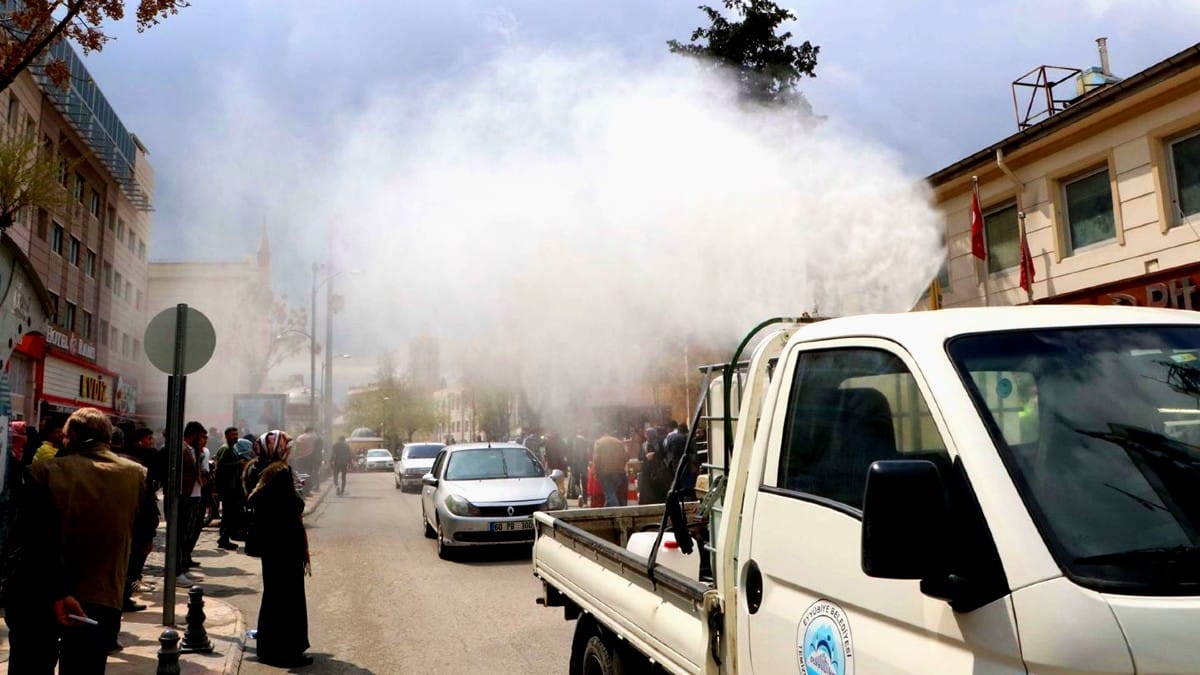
977	246
1027	274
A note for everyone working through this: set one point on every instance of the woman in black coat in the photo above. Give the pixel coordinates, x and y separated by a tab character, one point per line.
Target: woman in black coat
279	539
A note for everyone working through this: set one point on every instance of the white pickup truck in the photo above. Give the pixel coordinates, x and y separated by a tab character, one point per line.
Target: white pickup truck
993	490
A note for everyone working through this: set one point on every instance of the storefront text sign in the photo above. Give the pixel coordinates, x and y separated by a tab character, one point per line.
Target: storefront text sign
71	343
93	389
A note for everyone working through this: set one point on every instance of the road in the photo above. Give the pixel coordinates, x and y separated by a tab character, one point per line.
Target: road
380	600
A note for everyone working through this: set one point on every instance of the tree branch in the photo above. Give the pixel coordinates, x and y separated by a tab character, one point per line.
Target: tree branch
10	74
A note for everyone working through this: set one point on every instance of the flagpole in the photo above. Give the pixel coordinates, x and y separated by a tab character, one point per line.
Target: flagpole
1026	267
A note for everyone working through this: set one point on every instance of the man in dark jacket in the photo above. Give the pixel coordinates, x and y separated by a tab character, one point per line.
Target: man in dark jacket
139	447
341	462
229	488
77	515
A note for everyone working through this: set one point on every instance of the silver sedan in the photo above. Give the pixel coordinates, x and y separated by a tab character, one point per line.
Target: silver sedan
479	494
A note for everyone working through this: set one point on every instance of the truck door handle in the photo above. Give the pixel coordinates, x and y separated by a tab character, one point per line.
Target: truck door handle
754	587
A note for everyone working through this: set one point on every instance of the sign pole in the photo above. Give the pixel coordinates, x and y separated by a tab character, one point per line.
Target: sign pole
177	388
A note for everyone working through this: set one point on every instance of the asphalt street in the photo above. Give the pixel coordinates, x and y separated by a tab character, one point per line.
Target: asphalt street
380	600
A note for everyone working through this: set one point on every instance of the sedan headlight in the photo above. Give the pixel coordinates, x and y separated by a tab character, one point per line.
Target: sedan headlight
555	502
459	506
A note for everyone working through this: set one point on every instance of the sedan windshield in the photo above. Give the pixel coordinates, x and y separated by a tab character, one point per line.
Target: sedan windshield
377	454
428	451
489	463
1100	428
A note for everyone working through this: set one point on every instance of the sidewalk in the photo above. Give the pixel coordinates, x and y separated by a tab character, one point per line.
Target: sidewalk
140	631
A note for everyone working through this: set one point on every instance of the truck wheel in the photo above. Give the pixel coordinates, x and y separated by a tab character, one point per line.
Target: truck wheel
599	658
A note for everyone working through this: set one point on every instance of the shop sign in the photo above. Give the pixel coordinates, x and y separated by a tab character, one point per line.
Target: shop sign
1174	293
93	388
126	396
70	343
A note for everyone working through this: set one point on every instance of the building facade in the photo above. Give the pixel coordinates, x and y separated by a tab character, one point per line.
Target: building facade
1109	187
230	294
92	258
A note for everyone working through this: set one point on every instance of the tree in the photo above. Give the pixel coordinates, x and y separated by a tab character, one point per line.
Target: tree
768	68
32	27
276	334
394	406
29	177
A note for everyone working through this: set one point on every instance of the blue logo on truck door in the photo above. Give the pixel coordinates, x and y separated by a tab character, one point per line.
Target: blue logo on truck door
824	641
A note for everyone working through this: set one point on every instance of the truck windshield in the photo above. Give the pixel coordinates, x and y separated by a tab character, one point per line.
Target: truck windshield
1100	429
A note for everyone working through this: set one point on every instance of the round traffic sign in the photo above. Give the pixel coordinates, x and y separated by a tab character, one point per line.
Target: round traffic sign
200	341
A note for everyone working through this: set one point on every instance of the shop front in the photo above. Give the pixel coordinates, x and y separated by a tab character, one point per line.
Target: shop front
1175	288
69	381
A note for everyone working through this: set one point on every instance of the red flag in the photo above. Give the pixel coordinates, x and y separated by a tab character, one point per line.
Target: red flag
977	246
1027	274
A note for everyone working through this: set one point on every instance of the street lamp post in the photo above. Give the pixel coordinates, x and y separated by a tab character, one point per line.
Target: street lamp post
312	355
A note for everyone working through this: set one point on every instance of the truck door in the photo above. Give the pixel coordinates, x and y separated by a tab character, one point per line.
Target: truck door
809	608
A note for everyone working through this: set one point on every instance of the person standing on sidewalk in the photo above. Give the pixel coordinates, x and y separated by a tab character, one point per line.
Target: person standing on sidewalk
189	515
282	634
139	448
341	464
77	518
610	458
228	485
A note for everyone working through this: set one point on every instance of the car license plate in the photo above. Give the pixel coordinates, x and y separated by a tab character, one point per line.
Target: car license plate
511	526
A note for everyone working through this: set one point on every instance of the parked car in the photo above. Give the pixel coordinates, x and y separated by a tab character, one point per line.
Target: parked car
479	494
378	459
416	459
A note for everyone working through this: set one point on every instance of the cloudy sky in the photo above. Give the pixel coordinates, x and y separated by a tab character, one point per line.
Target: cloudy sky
248	107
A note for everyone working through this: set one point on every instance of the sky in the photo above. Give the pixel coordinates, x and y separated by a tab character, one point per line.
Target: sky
261	113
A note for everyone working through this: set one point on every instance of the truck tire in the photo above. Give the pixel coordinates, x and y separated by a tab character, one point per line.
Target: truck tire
600	657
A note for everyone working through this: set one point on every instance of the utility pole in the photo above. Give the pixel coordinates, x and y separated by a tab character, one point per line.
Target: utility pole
312	354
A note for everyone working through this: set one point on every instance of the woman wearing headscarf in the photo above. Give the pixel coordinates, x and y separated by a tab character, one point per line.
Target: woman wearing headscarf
281	542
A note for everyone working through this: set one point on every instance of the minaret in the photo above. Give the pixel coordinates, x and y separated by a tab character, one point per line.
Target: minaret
264	255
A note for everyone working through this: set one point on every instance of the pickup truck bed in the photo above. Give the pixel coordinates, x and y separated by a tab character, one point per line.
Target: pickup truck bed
580	557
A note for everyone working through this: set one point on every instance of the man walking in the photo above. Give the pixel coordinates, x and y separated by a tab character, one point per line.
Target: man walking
610	459
341	462
228	484
77	515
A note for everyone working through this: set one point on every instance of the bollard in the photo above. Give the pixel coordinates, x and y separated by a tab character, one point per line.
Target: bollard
195	640
168	653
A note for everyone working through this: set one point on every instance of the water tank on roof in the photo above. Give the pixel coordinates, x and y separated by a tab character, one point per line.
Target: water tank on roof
362	432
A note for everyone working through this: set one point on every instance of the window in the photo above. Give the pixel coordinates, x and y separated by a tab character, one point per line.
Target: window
1185	176
132	241
54	308
113	333
63	169
120	230
1088	210
112	219
69	317
56	238
103	332
849	408
117	287
73	252
94	204
108	275
1000	230
137	348
14	109
126	347
138	304
43	222
141	254
85	325
80	185
128	291
89	263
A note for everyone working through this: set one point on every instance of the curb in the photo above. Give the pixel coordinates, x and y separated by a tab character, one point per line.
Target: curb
309	508
233	659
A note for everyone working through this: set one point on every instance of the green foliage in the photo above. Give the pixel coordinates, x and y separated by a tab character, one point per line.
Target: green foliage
28	177
768	68
394	408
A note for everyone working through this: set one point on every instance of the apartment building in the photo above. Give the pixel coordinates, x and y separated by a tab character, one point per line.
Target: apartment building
1107	178
92	258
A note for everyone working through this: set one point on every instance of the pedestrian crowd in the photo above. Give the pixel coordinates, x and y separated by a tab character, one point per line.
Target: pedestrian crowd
597	470
82	518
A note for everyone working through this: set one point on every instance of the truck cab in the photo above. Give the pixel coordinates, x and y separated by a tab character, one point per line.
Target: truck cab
986	490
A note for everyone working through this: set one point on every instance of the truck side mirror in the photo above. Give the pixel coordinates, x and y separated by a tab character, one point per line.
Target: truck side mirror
904	521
